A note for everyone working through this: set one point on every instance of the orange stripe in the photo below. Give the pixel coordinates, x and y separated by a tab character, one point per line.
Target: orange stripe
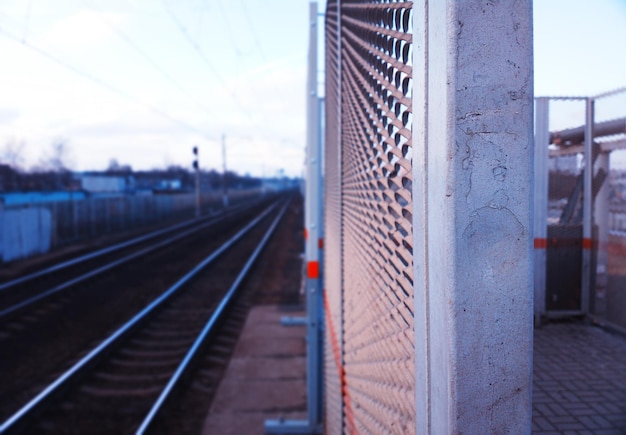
616	249
306	234
320	243
345	393
611	247
313	269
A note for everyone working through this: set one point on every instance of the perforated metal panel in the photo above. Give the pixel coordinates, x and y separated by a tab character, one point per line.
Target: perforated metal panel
375	291
332	219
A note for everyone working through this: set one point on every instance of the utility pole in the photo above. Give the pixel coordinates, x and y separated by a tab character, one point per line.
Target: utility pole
224	187
196	166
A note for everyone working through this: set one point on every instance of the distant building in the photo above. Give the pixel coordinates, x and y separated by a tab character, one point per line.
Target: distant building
170	185
106	183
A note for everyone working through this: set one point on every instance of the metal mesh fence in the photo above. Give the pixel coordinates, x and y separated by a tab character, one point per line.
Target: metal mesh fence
609	303
332	265
374	220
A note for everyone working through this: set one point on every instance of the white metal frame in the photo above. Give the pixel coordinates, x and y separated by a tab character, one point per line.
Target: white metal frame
313	229
540	203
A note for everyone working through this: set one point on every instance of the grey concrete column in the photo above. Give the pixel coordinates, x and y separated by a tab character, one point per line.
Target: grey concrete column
472	189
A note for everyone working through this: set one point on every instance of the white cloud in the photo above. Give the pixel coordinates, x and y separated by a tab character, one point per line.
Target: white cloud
82	30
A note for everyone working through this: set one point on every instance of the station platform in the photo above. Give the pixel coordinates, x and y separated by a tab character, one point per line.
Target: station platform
266	377
579	382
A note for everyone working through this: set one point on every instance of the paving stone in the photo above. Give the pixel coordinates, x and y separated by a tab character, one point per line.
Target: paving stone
563	419
588	422
579	380
602	422
583	412
542	409
609	432
574	405
557	409
569	426
542	423
259	395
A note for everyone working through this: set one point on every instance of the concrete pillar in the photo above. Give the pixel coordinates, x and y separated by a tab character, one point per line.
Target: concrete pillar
472	221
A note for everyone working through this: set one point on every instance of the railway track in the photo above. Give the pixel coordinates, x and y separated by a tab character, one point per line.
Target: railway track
22	292
145	357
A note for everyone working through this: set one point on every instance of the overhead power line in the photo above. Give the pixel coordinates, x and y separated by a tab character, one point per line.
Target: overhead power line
229	27
101	83
27	20
255	36
151	61
203	56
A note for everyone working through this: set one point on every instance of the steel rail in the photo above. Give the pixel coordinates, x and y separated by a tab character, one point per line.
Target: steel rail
107	250
48	393
208	328
68	284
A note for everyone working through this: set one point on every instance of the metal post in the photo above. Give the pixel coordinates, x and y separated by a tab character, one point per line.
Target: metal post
587	205
319	303
313	224
74	217
339	169
92	216
601	219
107	214
196	167
224	187
540	177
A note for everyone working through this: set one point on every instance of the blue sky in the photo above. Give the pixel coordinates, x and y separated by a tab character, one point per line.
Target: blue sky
176	73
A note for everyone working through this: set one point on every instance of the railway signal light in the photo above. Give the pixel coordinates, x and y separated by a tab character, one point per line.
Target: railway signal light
196	168
195	161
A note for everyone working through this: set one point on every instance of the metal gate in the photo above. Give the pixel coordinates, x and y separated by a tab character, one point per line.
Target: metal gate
580	250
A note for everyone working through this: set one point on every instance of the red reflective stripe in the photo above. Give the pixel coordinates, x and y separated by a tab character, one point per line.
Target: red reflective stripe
617	249
320	243
313	269
306	234
541	243
587	243
345	392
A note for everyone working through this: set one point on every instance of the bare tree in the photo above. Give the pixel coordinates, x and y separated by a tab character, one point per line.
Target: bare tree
58	158
12	154
115	168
